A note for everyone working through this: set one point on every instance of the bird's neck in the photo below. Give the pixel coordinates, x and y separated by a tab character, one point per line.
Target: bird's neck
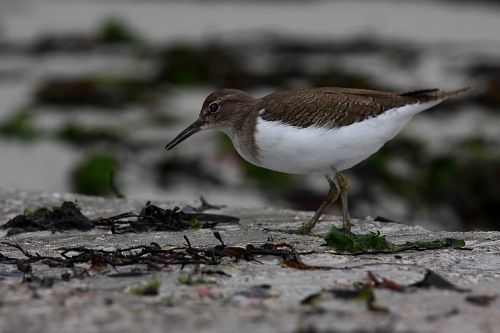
242	134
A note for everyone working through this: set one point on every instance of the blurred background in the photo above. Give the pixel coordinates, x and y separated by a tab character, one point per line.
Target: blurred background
92	90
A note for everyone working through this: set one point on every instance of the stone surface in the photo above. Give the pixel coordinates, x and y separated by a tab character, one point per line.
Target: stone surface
239	303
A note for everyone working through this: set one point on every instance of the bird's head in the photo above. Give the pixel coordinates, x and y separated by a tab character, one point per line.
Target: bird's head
222	109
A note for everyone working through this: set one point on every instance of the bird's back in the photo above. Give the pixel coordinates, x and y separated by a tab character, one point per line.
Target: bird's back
315	130
337	107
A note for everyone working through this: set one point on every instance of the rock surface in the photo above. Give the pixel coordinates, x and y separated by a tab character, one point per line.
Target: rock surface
254	296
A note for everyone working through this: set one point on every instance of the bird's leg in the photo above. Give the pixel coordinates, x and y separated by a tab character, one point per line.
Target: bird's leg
332	196
344	188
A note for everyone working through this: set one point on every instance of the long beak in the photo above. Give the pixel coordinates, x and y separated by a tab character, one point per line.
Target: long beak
190	130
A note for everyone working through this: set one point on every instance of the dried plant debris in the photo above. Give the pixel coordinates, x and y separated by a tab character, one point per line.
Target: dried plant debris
134	272
433	279
37	281
374	281
66	217
364	291
373	242
85	261
150	218
481	300
204	205
365	295
154	218
263	291
430	279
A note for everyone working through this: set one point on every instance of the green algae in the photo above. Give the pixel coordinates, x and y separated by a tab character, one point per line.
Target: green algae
190	281
150	288
348	242
195	223
80	135
56	219
107	91
114	30
168	301
19	125
93	175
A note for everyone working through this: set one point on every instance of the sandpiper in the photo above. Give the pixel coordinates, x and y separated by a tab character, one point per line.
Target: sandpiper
312	131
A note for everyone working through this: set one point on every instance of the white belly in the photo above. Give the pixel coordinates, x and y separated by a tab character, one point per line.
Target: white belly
317	149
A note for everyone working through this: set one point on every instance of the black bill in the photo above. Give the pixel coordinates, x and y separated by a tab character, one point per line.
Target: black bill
190	130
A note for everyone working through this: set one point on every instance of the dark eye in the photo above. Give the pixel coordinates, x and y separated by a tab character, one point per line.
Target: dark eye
214	107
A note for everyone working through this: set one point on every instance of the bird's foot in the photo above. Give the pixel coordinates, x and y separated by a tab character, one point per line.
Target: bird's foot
346	226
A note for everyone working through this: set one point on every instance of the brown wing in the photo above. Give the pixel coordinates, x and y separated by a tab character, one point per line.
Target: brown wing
340	106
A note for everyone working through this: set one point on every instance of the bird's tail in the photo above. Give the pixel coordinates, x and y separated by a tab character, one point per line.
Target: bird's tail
435	94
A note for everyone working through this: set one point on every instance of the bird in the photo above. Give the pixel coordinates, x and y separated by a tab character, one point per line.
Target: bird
322	130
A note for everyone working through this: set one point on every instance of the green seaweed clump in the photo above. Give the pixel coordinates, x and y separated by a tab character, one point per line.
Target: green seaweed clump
168	300
56	219
190	281
195	223
94	175
19	125
150	288
79	135
186	65
348	242
114	30
103	90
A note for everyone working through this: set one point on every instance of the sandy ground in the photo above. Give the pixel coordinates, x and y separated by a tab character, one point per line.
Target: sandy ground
251	296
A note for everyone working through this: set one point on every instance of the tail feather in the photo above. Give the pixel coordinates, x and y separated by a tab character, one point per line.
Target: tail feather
435	94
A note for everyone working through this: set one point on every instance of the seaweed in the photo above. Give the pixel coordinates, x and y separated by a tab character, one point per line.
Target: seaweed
150	288
346	241
185	64
189	280
168	300
150	218
154	218
19	125
365	295
104	91
204	205
263	291
94	175
373	242
374	281
79	135
152	256
481	300
56	219
433	279
116	31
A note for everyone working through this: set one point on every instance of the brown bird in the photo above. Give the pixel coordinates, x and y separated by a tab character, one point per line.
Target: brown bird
312	131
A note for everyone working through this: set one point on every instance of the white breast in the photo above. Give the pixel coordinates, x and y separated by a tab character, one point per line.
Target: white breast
316	149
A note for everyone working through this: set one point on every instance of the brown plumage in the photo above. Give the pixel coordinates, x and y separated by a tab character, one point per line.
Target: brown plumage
337	107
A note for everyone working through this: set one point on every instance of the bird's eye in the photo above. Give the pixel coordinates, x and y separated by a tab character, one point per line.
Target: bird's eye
214	107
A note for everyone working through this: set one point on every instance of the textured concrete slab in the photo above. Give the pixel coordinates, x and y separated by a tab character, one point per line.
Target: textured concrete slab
254	296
